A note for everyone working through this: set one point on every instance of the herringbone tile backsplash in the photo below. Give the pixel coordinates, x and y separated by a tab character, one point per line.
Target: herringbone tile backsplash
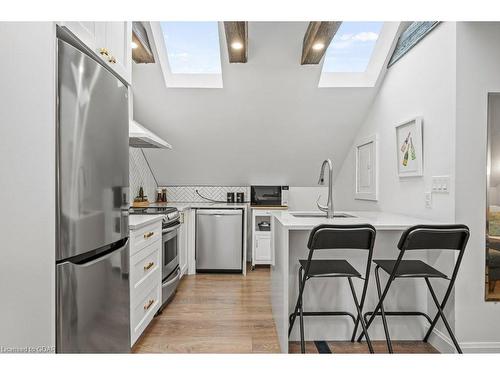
140	175
218	193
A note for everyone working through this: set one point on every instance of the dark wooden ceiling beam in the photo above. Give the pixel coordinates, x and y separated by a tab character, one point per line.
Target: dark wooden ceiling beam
316	40
237	41
142	53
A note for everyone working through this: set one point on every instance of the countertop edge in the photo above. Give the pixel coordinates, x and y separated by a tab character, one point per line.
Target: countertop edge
181	206
385	221
143	220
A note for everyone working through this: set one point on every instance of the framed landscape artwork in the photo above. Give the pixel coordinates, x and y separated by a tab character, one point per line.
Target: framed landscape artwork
410	148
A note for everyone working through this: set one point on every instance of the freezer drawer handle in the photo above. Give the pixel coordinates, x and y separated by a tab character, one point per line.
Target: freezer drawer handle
148	266
149	234
148	305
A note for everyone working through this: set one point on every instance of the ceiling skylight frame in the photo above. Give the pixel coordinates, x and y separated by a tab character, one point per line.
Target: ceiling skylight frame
183	80
368	78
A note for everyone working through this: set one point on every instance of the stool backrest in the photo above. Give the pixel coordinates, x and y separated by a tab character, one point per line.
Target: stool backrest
329	236
435	237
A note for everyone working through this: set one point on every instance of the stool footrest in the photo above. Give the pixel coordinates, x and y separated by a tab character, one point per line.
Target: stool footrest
325	313
400	313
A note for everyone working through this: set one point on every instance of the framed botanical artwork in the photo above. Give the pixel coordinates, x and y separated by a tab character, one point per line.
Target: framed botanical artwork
366	169
409	143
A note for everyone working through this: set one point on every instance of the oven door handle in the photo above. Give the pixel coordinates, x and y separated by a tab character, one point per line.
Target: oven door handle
171	229
173	280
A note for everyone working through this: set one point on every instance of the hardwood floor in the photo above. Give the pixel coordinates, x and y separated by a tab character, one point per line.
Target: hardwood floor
380	347
214	313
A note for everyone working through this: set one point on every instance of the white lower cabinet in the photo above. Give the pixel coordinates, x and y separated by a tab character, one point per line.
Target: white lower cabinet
143	309
145	277
261	237
263	248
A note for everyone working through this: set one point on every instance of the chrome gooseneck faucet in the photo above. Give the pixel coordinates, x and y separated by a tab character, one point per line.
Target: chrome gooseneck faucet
329	206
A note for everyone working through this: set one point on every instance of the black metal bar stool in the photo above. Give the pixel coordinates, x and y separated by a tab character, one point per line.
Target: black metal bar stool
322	237
420	237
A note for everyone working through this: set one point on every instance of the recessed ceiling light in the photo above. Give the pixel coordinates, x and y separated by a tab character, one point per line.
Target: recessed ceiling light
134	45
318	46
236	45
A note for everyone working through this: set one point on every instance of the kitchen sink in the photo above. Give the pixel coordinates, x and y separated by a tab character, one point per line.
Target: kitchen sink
319	214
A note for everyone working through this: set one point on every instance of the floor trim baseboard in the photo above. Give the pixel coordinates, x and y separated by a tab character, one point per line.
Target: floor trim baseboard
442	342
480	347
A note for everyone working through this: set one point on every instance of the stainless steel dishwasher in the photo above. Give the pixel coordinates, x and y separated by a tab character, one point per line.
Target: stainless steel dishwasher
219	240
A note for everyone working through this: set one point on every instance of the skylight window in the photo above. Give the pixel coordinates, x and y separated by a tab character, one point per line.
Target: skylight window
356	54
352	47
192	47
189	53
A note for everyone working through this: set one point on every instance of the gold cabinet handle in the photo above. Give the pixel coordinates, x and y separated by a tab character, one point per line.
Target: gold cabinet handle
149	234
148	305
148	266
104	51
112	60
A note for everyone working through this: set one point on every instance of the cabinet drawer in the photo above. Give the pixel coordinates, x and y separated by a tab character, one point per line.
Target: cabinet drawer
145	266
144	309
142	237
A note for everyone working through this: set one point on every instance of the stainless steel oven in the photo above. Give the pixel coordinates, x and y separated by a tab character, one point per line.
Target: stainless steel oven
170	270
170	250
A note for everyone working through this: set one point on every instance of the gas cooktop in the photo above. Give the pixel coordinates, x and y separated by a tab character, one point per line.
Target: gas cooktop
170	218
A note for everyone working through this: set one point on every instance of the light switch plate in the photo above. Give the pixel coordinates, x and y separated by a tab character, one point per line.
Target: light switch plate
428	199
440	184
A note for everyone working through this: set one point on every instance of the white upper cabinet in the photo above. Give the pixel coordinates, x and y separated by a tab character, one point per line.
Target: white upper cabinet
109	40
85	31
114	46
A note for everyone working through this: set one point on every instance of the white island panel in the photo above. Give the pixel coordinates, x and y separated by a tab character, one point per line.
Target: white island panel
290	235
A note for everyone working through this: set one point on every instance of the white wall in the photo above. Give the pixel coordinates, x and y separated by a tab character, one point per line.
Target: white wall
268	125
304	198
422	83
478	72
27	184
445	79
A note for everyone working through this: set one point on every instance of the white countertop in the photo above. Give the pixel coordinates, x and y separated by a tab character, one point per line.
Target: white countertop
138	221
380	220
181	206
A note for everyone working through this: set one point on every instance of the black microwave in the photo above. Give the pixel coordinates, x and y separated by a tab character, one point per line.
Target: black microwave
270	196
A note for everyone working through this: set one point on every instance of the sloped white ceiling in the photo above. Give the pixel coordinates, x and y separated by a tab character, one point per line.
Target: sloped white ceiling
270	124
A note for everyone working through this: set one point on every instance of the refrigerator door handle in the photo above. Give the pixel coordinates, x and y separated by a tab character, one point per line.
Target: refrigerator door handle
87	260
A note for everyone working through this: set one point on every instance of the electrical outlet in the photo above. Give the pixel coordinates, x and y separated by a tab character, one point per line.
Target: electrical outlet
428	199
440	184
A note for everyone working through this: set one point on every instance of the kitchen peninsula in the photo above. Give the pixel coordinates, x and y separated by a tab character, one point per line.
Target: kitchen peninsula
289	240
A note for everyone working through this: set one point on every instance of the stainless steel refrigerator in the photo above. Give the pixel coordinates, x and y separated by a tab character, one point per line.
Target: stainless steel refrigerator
92	253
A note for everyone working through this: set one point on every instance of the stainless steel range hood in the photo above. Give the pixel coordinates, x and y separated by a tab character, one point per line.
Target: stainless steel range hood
140	137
